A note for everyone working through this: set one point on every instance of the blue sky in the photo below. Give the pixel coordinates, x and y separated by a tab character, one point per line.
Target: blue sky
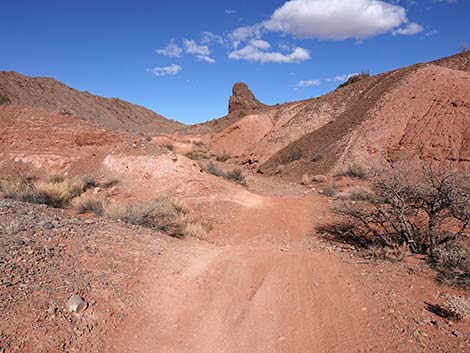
284	51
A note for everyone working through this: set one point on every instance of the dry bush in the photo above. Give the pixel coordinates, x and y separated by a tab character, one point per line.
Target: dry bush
169	146
55	179
198	143
162	214
211	168
235	175
195	155
221	156
330	190
319	178
305	179
51	192
109	183
423	213
360	193
356	171
452	261
88	203
458	308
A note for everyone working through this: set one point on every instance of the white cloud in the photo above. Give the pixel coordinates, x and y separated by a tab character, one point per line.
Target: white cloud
166	70
431	33
447	1
230	11
256	51
309	83
209	38
172	50
336	19
260	44
205	58
201	52
191	47
410	30
341	78
241	34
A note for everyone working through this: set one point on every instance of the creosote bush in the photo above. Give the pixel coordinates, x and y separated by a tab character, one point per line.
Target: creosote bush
426	213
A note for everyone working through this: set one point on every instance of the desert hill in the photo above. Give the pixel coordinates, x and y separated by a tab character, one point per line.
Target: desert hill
54	96
418	112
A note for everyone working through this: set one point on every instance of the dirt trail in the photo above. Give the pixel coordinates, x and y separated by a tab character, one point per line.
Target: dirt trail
249	296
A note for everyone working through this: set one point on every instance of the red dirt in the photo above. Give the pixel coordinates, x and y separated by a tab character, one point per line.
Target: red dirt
262	279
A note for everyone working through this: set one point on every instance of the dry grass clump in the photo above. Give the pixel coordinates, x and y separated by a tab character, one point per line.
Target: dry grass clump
330	190
457	308
88	203
221	156
360	193
235	175
318	178
305	180
54	191
163	214
356	171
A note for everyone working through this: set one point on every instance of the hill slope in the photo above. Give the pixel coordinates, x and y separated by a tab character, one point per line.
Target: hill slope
112	113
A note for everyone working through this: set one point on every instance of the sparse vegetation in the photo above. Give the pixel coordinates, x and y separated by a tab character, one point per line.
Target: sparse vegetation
330	190
452	262
317	157
235	175
427	214
163	214
305	179
357	171
457	308
318	178
221	156
88	203
169	147
360	193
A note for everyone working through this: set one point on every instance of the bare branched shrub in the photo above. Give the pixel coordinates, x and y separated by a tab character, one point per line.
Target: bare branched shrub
422	213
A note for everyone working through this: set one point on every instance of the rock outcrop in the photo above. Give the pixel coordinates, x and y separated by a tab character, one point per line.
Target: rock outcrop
243	100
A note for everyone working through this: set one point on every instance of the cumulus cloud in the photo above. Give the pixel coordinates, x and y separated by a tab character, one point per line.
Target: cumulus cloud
409	30
336	19
257	51
172	50
166	70
341	78
244	33
201	52
209	38
309	83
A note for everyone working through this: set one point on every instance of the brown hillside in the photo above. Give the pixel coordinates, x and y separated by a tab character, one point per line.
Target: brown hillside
54	96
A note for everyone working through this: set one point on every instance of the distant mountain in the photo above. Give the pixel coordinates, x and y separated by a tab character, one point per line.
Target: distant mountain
54	96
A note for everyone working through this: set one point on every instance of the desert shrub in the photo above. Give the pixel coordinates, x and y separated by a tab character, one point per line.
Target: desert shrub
235	175
317	157
162	214
53	192
360	193
88	203
295	155
305	179
195	155
169	146
356	171
452	261
88	181
457	308
330	190
109	183
422	213
211	168
55	179
148	138
318	178
221	156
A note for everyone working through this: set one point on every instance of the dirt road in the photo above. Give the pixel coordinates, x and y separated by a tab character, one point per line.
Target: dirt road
249	294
